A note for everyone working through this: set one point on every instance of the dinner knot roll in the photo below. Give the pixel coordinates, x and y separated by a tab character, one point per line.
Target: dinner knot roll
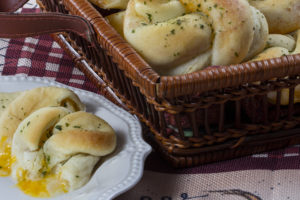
32	100
79	137
29	138
282	16
284	45
178	37
108	4
278	40
240	30
280	45
277	46
116	20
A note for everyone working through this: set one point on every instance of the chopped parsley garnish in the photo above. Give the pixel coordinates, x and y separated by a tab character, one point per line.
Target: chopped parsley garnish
149	17
58	127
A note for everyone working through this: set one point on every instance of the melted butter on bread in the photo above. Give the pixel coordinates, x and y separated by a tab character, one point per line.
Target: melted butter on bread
49	165
46	187
30	125
6	159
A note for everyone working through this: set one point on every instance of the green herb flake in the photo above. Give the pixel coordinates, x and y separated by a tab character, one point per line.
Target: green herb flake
149	17
58	127
178	22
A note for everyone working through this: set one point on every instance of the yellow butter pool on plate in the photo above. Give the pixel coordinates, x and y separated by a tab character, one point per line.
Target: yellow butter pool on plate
49	186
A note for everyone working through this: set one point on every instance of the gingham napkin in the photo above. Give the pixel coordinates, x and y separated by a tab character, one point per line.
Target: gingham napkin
267	176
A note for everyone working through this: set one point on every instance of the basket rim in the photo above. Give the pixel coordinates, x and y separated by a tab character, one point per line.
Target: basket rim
165	87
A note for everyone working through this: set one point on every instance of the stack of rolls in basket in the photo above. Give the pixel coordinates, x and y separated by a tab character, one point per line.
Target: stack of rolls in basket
48	143
183	36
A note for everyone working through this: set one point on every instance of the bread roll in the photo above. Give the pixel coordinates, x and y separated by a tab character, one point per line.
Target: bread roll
117	21
177	37
279	40
78	142
58	150
282	16
80	132
281	45
240	30
108	4
32	100
77	170
29	138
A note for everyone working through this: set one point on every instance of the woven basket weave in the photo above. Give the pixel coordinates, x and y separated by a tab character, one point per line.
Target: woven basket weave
218	113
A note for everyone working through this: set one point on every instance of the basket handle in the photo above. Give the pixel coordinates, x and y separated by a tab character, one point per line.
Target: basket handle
11	5
24	25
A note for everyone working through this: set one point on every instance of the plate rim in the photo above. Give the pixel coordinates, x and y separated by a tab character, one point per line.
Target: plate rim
142	149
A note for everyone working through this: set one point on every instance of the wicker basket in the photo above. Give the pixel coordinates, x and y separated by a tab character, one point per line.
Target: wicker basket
194	118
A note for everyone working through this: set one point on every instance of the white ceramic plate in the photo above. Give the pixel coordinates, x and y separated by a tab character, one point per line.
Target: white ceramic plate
118	173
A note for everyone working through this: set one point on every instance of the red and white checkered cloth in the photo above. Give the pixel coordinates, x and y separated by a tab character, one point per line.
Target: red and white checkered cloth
41	56
268	176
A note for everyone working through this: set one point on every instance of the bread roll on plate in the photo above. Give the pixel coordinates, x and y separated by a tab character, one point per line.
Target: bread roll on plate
29	138
31	100
58	150
81	137
22	106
